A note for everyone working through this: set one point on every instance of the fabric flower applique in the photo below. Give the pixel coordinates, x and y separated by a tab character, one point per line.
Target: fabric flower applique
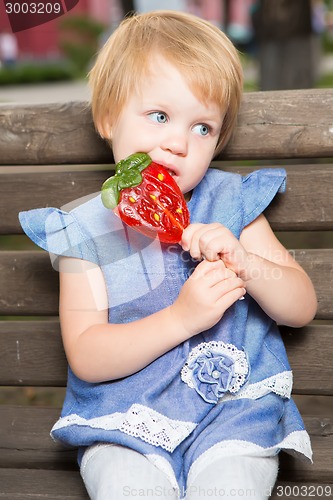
214	368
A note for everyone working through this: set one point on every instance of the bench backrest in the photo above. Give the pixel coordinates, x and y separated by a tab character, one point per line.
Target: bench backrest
51	155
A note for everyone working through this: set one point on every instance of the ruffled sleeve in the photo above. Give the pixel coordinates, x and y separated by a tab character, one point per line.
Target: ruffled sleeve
258	190
58	232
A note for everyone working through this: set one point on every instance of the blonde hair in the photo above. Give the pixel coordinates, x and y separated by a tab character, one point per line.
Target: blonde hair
203	54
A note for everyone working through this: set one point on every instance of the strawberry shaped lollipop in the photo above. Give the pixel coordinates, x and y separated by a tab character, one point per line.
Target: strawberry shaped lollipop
147	198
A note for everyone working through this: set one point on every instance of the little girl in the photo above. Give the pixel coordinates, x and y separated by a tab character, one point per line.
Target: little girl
176	387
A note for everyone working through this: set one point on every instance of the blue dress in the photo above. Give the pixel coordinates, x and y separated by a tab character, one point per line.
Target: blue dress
227	388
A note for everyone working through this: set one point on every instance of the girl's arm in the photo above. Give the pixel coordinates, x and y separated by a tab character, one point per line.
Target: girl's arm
98	351
274	279
271	275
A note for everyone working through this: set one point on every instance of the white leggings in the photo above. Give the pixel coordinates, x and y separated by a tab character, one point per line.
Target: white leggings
115	472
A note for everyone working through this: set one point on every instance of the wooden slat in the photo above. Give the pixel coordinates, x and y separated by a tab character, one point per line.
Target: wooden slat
23	484
277	124
25	443
35	190
29	284
55	133
307	204
31	353
296	209
308	356
34	448
319	266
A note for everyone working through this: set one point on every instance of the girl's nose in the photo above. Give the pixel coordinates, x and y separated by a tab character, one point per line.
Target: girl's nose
176	143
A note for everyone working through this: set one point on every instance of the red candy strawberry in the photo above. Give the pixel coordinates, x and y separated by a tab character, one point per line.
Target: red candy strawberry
147	198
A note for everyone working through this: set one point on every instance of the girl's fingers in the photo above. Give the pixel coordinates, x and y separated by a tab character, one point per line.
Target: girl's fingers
212	270
188	235
204	240
228	285
231	297
191	239
218	278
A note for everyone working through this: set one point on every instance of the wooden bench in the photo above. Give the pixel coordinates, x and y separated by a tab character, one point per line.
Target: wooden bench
52	155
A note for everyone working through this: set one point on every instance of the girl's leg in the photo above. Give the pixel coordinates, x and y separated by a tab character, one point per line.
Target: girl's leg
233	477
112	472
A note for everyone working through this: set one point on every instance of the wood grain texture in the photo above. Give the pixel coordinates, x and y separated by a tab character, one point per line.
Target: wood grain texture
31	354
310	362
55	133
28	285
307	203
23	484
276	124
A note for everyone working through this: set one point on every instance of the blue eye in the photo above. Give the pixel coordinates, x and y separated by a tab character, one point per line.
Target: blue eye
158	116
201	129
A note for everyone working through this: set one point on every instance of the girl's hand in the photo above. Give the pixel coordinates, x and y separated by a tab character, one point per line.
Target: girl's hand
206	295
215	242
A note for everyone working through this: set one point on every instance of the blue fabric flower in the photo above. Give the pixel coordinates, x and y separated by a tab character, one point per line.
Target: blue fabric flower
214	368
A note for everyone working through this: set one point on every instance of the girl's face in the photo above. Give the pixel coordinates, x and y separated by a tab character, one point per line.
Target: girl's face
168	122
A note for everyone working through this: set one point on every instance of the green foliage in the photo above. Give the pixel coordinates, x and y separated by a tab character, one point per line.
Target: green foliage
327	42
34	73
83	24
251	86
325	81
79	41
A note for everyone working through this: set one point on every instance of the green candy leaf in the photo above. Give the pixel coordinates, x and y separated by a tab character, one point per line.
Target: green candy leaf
128	174
138	161
130	179
110	193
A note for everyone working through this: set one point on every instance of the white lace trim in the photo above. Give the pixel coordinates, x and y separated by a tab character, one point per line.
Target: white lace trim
280	384
296	442
139	421
241	367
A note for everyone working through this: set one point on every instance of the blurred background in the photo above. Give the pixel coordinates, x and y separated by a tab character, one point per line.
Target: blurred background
283	44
